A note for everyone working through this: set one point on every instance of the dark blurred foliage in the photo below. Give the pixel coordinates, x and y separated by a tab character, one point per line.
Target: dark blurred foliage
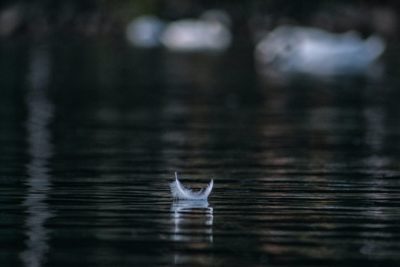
109	17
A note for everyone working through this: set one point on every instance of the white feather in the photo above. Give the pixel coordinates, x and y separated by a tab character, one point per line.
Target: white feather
179	191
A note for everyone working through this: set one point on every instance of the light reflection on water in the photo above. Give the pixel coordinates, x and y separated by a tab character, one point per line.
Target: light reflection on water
195	213
193	224
40	114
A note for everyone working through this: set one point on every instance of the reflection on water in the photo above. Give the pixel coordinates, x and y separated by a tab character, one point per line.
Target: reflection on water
40	112
193	224
193	213
307	173
375	132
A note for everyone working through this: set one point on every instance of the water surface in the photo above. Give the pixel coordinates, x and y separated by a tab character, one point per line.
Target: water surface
306	174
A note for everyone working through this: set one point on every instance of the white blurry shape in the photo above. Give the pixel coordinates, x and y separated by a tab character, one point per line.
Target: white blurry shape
10	19
145	31
179	191
218	16
317	52
209	33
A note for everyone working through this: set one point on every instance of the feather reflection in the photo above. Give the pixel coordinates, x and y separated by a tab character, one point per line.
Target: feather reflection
193	222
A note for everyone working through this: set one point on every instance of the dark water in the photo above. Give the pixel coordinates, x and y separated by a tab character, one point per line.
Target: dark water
91	133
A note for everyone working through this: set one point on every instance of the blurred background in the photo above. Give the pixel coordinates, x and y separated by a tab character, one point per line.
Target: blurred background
291	106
